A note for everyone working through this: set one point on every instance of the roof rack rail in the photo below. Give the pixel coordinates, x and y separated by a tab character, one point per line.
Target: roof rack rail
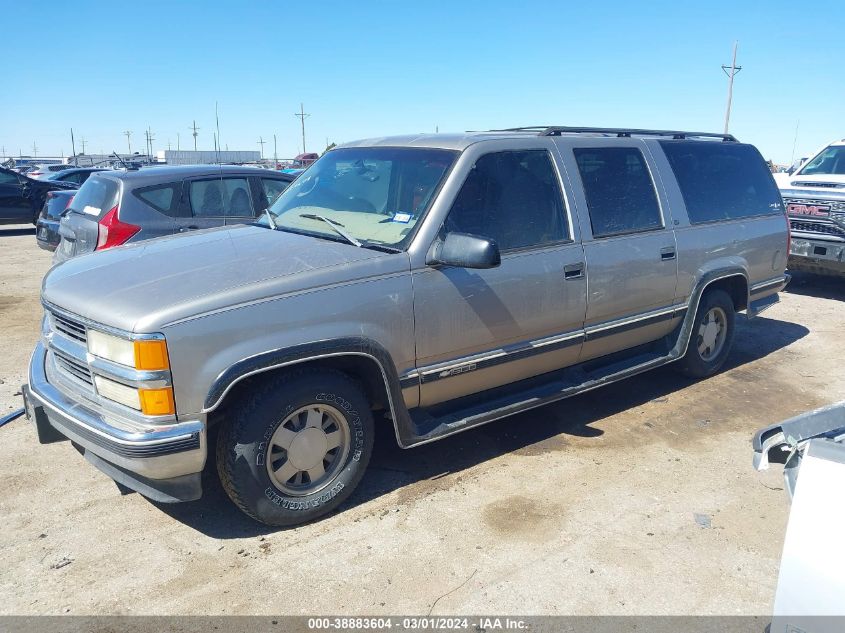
559	130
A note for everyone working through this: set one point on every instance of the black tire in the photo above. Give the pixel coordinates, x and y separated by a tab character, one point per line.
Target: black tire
694	363
246	437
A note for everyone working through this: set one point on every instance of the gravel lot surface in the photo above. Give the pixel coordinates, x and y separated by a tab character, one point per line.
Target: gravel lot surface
638	498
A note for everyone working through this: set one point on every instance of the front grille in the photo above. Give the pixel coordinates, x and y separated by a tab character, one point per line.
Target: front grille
70	328
73	368
817	227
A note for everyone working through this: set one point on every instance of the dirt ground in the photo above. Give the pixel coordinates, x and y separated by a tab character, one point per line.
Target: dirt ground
638	498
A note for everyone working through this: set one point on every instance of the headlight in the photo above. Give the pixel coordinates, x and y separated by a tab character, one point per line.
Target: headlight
144	354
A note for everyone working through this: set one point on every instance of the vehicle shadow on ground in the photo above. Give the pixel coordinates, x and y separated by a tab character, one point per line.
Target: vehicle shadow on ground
17	231
392	468
819	286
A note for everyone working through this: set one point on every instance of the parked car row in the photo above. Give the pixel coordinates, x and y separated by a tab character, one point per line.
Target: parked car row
118	207
432	283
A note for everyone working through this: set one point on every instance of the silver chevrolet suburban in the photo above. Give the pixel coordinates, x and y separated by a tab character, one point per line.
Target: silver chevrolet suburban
433	283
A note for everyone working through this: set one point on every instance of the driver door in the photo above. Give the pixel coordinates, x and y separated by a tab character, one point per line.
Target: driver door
480	329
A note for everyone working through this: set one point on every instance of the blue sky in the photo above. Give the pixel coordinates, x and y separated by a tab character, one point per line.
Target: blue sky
374	68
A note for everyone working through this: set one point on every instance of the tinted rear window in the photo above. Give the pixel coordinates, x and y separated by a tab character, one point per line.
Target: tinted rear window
96	196
722	181
620	193
162	198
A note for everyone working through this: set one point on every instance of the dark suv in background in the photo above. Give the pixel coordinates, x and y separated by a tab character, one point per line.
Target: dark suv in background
115	207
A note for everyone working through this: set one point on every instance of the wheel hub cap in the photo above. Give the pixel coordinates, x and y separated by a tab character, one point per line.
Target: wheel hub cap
308	449
711	334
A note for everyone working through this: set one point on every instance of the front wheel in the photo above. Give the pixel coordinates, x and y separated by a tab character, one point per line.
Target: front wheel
296	449
712	335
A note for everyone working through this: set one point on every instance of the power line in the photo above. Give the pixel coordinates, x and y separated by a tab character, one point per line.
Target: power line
302	116
731	72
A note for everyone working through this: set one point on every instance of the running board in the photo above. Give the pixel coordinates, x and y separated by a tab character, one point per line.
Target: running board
435	424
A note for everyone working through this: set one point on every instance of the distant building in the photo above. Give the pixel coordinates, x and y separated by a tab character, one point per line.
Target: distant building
202	157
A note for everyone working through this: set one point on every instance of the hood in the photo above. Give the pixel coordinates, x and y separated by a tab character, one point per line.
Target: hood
143	287
832	182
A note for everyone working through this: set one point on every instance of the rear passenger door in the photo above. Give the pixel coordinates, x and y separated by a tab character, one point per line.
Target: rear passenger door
218	201
629	245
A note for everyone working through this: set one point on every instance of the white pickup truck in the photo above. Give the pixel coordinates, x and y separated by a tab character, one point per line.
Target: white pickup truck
814	196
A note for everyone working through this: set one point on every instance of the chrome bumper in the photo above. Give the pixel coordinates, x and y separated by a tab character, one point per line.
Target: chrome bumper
138	457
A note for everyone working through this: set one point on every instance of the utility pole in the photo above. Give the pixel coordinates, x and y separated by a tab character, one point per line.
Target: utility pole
194	128
82	141
731	72
73	148
177	142
128	133
275	154
261	142
794	143
150	139
34	149
302	116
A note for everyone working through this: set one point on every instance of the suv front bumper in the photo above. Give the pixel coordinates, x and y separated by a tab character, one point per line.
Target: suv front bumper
817	256
163	463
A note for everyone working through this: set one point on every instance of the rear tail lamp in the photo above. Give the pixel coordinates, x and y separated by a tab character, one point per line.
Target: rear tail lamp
112	232
69	200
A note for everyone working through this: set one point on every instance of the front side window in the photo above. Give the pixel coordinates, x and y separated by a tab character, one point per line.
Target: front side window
272	188
830	161
221	197
722	181
8	179
620	193
513	198
376	195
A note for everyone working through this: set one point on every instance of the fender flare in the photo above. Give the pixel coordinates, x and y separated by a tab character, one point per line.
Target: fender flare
701	285
315	351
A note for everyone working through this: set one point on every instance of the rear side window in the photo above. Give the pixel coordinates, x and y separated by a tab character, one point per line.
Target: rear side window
162	198
620	193
722	181
97	196
221	197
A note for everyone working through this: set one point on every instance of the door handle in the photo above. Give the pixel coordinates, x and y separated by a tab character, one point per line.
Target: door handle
182	229
667	254
573	271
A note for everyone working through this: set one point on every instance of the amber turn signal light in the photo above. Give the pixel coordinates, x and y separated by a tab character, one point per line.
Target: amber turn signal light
157	401
151	355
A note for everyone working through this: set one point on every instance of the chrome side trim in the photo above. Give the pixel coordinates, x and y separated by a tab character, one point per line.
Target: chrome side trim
768	284
618	323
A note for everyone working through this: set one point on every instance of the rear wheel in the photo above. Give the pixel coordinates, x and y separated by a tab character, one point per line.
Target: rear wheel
296	449
712	335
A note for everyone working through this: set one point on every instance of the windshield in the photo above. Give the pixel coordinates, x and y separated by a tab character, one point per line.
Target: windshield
374	194
830	161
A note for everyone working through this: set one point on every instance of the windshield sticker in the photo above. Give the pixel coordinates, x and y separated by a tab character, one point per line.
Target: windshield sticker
92	210
404	218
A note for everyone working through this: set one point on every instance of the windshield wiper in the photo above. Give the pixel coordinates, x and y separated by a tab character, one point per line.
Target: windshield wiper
270	219
337	226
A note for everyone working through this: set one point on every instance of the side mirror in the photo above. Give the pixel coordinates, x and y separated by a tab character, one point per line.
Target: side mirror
790	170
463	250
